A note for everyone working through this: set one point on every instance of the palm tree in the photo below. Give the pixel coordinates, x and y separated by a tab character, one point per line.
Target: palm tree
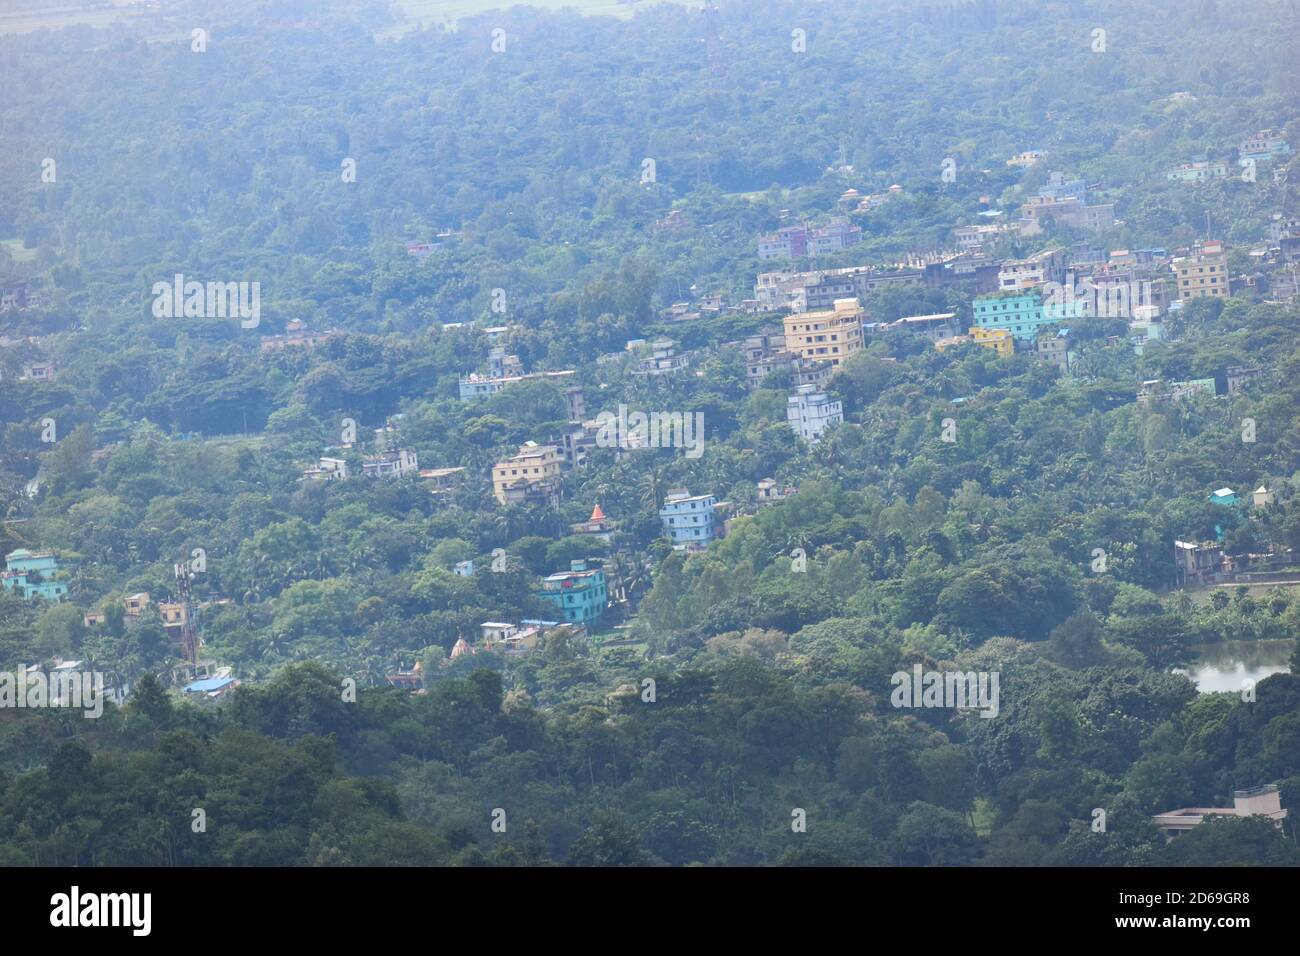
652	488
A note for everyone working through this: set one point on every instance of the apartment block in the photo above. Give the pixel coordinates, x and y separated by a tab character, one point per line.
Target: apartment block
832	335
1266	144
397	463
1045	266
530	475
811	412
689	520
1203	273
580	593
1020	313
1197	172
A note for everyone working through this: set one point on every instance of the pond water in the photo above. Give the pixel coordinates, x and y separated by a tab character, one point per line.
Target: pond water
1223	666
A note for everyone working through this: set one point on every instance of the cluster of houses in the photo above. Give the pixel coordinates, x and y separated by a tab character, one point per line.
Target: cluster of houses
501	637
19	296
1202	563
1064	201
1267	145
803	240
1017	304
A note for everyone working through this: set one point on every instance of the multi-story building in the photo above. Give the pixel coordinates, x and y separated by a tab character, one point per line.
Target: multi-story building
1000	341
836	235
973	271
1029	157
38	372
768	492
397	463
1265	801
1020	313
1239	376
788	242
1059	187
1266	144
832	335
811	412
1118	290
1197	563
1197	172
811	291
1054	349
33	574
688	520
663	359
826	288
975	236
580	593
530	475
1203	273
795	242
1045	266
1067	211
941	325
326	469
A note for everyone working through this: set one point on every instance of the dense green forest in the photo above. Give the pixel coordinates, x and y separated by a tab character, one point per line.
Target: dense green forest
524	168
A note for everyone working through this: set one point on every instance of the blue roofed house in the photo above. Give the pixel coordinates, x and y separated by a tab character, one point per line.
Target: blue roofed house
211	686
1224	496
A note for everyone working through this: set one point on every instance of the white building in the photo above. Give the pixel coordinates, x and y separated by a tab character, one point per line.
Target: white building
329	469
811	411
1262	801
391	464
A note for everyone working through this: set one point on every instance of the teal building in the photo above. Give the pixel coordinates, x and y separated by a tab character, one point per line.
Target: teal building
580	593
1021	313
33	573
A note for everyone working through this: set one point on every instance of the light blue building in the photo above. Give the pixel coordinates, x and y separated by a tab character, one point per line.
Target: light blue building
688	519
1022	313
33	573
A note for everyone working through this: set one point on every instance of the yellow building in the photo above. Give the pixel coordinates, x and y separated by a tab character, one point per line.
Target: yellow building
1204	273
833	334
999	340
532	469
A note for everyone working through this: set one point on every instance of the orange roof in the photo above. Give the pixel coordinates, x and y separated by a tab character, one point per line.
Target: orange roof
597	514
